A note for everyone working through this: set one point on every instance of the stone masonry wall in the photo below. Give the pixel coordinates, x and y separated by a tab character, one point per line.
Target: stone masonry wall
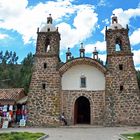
44	93
54	38
122	98
124	106
96	99
44	104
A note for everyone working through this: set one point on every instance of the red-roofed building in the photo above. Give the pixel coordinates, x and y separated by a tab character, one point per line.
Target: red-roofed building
11	96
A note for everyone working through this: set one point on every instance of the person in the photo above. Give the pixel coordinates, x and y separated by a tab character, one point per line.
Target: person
63	118
18	115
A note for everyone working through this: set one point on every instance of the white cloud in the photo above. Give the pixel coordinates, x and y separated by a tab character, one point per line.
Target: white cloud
136	57
67	35
135	37
106	21
124	16
102	57
101	3
18	16
3	36
83	26
103	32
12	8
100	46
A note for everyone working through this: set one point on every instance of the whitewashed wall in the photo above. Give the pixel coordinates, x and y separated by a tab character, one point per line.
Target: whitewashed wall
71	78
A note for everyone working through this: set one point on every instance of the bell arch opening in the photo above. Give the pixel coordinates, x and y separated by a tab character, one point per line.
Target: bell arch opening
82	111
118	45
47	45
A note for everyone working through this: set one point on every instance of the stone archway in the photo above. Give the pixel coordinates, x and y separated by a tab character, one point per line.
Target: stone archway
82	111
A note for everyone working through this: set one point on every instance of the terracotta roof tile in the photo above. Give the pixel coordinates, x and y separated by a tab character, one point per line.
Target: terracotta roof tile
11	94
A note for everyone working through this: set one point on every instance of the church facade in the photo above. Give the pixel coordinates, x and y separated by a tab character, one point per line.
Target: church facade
83	88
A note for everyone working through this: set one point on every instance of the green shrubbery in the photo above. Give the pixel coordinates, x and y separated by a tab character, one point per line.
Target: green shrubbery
135	136
20	136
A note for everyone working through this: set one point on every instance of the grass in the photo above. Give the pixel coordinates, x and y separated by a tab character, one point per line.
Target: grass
20	136
134	136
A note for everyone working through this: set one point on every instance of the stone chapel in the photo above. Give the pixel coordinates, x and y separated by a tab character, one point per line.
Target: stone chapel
86	90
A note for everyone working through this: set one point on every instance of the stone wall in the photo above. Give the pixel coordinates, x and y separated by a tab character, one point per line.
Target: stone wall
123	105
44	104
53	37
112	36
122	93
96	99
44	93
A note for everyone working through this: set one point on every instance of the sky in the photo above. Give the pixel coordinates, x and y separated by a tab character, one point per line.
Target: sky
78	21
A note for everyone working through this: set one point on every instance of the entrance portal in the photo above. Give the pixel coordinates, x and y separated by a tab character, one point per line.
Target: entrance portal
82	111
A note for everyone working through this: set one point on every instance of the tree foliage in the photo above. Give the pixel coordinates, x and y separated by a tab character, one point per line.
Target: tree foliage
8	69
138	77
8	58
13	75
26	71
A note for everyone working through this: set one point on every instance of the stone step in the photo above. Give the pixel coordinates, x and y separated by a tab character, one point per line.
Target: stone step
81	126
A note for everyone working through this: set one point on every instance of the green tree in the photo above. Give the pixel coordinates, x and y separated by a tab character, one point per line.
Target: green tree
8	58
14	58
26	71
9	72
138	78
13	75
1	56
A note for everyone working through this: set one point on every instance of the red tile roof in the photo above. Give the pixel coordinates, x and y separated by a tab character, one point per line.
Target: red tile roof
12	94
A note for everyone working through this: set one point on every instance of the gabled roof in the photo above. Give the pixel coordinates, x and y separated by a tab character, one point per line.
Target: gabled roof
12	94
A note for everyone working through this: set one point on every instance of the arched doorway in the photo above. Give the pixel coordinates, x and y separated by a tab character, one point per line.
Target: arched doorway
82	111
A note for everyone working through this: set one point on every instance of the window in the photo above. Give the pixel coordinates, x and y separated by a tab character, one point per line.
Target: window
47	45
48	29
118	46
121	88
48	48
83	82
120	67
43	86
45	65
115	20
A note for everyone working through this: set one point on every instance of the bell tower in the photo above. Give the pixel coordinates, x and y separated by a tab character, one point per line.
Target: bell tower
48	39
122	92
44	92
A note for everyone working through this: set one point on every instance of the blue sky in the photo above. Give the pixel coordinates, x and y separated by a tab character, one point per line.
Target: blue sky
78	21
